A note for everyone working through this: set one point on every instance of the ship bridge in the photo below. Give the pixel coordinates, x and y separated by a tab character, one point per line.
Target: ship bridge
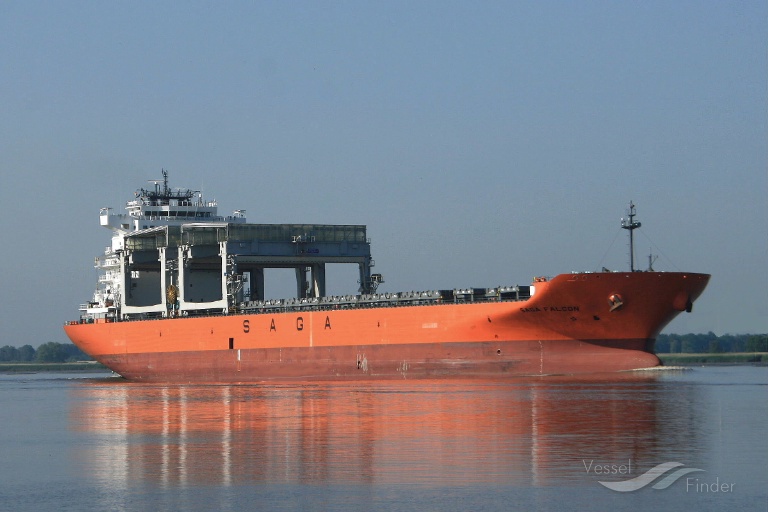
195	268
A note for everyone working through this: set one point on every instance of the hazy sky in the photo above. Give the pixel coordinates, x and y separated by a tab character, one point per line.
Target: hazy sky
483	143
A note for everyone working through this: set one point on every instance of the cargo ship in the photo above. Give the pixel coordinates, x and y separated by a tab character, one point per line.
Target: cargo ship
181	298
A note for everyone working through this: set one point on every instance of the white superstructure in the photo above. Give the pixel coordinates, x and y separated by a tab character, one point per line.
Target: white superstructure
152	208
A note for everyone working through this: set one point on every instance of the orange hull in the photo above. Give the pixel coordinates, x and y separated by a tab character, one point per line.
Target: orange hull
575	323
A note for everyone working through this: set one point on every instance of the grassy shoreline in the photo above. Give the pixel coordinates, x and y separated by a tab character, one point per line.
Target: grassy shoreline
79	366
720	358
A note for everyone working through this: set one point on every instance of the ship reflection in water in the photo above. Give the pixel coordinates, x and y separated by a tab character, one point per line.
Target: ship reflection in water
527	432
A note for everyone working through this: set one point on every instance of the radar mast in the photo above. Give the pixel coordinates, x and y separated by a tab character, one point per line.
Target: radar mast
630	224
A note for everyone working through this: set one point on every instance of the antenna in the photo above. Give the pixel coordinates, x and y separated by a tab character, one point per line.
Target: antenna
651	260
631	225
165	182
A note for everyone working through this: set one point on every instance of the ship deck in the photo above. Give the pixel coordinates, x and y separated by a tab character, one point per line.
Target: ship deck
342	302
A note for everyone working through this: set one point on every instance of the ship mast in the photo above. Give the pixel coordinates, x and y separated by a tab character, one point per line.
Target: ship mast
630	225
651	260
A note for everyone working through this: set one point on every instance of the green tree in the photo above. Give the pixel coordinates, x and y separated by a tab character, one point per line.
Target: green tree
51	352
662	344
739	343
9	353
757	343
27	353
74	354
710	342
730	343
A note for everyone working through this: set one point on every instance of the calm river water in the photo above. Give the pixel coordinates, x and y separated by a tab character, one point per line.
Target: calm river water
91	442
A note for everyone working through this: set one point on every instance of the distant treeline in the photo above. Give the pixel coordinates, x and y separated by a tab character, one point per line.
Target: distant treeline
710	343
50	352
